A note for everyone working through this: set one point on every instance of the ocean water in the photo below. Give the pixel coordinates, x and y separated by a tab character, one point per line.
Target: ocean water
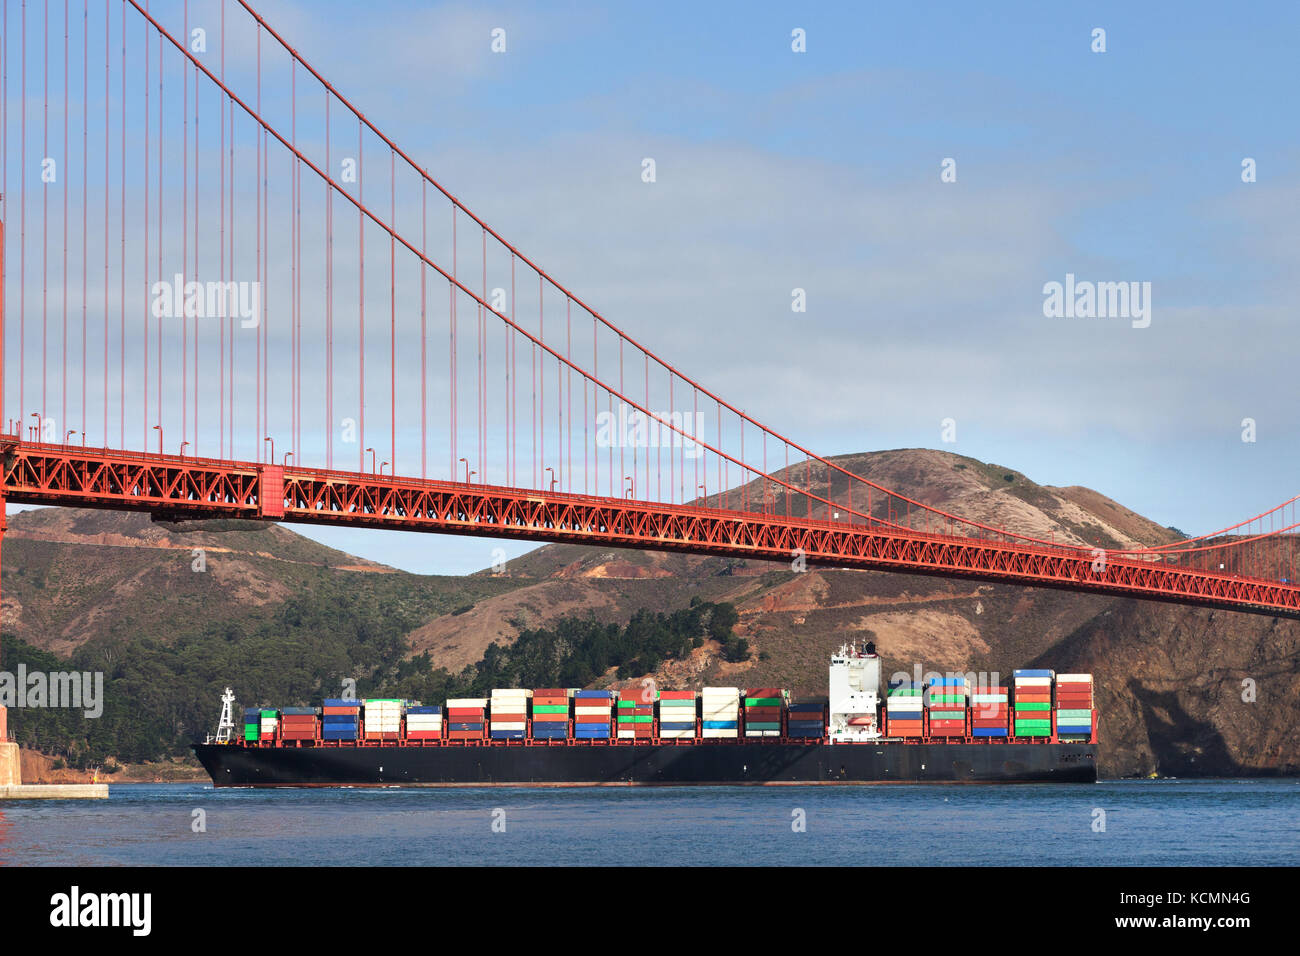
1149	822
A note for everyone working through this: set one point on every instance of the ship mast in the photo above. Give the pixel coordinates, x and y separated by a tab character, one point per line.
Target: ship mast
226	726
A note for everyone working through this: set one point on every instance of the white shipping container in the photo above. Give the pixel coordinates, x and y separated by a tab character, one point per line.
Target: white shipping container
468	703
1074	678
1033	682
507	725
591	711
715	732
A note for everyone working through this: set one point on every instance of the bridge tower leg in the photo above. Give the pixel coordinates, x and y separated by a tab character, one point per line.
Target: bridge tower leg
4	718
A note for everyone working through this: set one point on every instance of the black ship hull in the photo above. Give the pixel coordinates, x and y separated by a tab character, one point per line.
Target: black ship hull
698	764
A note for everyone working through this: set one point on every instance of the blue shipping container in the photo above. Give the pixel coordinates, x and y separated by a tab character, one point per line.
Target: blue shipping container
719	725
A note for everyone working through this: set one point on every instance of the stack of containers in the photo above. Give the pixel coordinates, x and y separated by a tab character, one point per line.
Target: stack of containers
636	715
466	718
720	712
591	713
551	714
509	713
423	723
340	719
298	723
267	721
946	706
989	711
252	724
904	711
763	706
383	718
676	714
1033	703
807	718
1074	706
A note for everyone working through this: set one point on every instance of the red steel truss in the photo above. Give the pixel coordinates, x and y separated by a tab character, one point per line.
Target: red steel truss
179	488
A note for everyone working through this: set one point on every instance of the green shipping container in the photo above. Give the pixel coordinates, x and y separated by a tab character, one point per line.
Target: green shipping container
763	701
947	715
947	698
630	719
904	692
1033	725
551	709
1033	706
1067	714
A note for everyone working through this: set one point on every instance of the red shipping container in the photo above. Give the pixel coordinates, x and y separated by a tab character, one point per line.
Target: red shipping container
990	690
341	711
591	719
677	695
763	692
551	692
550	702
505	718
464	735
423	734
947	732
468	715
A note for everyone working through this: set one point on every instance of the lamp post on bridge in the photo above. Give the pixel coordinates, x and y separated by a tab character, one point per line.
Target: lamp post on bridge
465	462
706	494
552	471
272	441
372	460
382	467
159	430
183	444
287	456
631	486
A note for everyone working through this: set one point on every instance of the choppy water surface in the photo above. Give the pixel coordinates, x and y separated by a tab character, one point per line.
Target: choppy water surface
1149	822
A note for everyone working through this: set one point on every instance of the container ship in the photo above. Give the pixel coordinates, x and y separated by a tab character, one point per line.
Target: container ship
1042	728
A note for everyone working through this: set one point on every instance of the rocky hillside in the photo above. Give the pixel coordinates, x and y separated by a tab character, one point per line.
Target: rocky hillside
1170	679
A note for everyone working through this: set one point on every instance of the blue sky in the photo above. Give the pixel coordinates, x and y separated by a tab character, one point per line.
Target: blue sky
821	170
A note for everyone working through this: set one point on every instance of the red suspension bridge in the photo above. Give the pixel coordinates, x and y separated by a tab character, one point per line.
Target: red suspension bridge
202	232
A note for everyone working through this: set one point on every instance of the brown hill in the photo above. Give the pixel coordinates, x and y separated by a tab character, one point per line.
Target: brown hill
1169	678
